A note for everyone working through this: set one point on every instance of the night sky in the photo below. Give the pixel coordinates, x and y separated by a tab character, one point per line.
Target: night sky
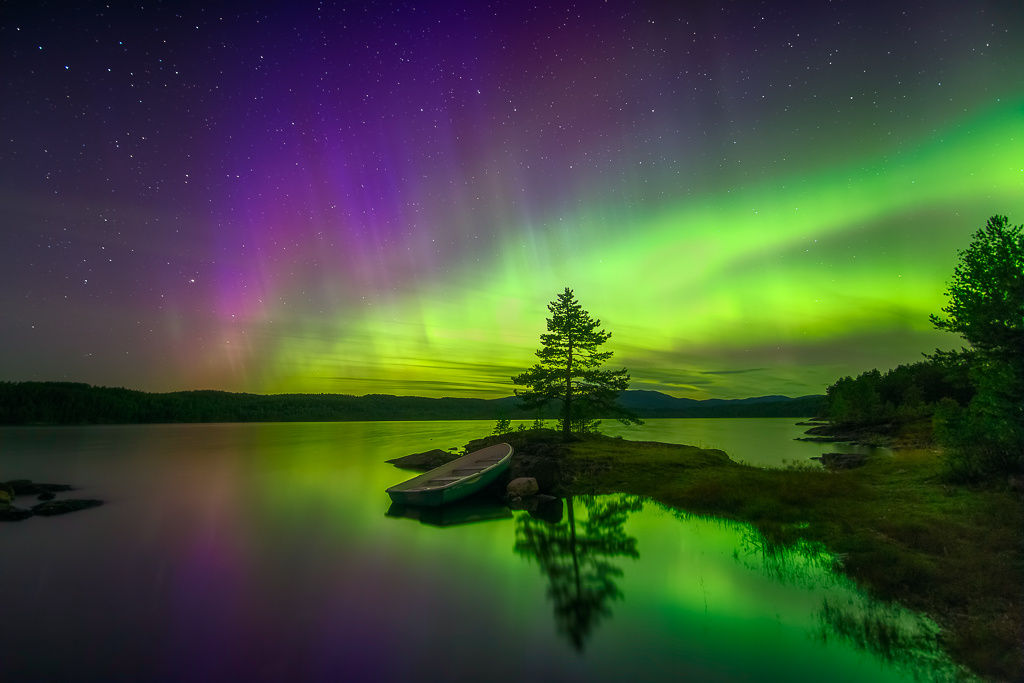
754	198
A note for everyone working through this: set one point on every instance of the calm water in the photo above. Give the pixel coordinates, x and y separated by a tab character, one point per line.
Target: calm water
262	552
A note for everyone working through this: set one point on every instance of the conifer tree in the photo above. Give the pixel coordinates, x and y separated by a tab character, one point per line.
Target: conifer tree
569	369
986	307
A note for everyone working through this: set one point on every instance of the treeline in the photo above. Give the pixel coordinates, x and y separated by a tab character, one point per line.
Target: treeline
975	396
76	403
903	394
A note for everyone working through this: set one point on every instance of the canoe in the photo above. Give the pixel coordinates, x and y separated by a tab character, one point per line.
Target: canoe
456	479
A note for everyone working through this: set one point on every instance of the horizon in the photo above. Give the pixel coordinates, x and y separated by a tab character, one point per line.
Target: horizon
322	393
753	201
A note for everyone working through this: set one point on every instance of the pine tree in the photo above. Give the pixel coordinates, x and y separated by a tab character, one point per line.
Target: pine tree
569	369
986	307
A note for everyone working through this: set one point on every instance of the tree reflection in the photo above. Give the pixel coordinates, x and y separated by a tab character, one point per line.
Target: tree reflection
896	635
576	557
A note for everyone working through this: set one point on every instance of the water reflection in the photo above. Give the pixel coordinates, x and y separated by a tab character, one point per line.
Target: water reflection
803	564
579	556
576	557
261	552
476	509
906	640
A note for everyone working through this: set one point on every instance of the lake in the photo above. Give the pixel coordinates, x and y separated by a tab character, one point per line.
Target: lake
263	552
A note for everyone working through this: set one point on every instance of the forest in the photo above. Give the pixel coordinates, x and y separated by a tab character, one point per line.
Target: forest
902	395
969	401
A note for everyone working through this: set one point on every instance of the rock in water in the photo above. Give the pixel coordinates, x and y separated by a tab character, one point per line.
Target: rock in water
423	461
9	513
522	487
27	487
61	507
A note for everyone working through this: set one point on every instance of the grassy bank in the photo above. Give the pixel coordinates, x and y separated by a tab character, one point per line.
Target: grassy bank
952	552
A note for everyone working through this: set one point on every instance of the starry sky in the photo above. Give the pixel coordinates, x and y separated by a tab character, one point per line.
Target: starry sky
754	198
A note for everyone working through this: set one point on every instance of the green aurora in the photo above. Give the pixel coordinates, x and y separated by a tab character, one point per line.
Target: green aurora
753	199
778	286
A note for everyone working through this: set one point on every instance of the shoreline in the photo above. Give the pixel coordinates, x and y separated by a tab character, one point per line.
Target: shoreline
899	532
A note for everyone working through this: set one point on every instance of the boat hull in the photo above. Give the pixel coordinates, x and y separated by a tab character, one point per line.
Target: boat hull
424	494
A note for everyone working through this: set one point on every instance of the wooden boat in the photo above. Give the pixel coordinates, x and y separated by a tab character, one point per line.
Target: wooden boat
456	479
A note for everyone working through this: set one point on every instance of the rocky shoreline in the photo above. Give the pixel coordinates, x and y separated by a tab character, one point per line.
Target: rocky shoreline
909	434
46	494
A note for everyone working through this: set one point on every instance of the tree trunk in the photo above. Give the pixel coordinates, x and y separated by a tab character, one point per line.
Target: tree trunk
572	544
567	404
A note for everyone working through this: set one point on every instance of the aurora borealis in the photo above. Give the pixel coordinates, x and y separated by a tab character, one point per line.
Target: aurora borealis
382	198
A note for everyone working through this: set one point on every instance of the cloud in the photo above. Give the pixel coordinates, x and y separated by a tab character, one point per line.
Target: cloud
408	387
731	372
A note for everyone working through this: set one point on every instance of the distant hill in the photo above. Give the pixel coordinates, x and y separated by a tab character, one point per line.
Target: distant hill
657	404
77	403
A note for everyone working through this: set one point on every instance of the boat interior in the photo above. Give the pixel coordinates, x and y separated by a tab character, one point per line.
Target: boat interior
458	469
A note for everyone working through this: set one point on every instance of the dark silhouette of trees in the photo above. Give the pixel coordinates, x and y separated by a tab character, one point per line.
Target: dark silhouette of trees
576	556
986	295
77	403
974	396
986	307
569	370
907	392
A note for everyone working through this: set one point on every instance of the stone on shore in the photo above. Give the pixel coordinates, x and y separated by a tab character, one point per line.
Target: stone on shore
522	487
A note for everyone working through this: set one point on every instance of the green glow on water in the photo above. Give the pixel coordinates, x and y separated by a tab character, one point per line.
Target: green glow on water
277	535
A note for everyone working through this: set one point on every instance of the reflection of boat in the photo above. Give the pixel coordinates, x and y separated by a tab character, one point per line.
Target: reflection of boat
456	479
460	512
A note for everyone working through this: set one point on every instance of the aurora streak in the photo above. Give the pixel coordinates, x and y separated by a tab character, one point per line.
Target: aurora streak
384	200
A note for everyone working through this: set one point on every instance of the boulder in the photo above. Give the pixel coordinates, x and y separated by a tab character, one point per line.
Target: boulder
9	513
423	461
522	487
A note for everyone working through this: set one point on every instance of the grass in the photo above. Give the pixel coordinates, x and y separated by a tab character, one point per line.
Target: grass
952	552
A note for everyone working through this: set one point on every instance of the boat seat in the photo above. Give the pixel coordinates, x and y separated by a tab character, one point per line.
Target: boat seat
443	480
463	471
